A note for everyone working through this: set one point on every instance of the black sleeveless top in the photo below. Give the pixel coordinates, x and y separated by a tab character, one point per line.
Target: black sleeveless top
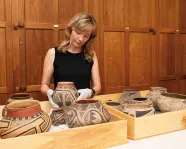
72	68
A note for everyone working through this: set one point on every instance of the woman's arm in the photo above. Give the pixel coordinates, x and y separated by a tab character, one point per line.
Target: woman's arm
48	70
95	75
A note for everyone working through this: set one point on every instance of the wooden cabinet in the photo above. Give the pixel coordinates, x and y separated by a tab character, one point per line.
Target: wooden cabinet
6	77
171	46
127	44
140	43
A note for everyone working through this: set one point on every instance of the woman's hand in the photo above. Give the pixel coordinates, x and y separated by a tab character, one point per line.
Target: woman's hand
49	94
84	93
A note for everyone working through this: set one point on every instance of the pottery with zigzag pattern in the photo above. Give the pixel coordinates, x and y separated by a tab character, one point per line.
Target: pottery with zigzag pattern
65	94
81	113
24	118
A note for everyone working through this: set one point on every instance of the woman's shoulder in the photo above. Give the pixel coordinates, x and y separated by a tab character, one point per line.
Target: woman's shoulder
51	52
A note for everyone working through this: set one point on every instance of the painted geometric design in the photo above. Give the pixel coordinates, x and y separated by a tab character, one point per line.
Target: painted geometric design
78	115
14	127
64	97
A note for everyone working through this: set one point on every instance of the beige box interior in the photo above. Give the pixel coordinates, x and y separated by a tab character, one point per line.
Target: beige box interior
93	136
148	126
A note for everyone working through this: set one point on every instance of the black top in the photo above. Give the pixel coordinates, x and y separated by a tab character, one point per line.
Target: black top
72	68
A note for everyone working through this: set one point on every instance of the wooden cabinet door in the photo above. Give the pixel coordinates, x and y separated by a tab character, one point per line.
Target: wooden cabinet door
167	23
139	50
5	51
33	35
127	44
114	45
172	35
182	47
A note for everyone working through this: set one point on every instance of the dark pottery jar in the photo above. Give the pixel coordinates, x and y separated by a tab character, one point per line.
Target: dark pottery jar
154	94
128	95
65	94
138	110
113	104
24	118
141	100
81	113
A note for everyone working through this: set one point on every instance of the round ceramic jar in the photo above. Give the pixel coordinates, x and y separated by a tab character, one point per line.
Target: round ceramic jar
128	95
81	113
138	110
113	104
154	94
171	102
24	118
16	97
65	94
141	100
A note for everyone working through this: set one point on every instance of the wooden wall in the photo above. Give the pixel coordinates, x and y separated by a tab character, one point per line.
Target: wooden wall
140	43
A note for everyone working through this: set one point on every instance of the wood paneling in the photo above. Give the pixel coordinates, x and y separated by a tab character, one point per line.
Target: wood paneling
140	59
67	9
2	58
39	11
182	86
114	62
167	13
37	44
182	14
182	56
61	36
128	54
167	55
114	13
139	14
2	10
171	85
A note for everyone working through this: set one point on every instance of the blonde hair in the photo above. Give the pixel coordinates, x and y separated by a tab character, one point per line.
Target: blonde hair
81	21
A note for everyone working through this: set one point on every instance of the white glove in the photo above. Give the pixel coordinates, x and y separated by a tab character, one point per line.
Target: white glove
49	94
84	93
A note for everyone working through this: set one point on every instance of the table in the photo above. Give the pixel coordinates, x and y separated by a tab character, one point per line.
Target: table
173	140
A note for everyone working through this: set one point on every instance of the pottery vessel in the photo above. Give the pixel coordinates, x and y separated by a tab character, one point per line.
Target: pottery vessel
16	97
128	95
115	105
154	95
65	94
81	113
171	102
141	100
24	118
138	110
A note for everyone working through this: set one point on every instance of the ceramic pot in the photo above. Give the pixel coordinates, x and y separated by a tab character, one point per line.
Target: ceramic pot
141	100
24	118
81	113
115	105
128	95
171	102
16	97
138	110
65	94
154	95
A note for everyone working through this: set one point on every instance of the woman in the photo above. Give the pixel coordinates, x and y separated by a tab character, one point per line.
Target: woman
74	60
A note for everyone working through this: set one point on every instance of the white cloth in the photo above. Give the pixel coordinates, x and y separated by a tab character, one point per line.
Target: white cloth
57	128
49	94
84	93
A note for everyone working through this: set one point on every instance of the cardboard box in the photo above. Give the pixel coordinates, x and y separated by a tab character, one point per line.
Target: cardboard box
148	126
93	136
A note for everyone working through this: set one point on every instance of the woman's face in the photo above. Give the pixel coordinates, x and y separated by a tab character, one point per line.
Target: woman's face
78	37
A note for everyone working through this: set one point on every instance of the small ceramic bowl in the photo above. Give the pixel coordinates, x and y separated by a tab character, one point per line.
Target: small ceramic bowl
138	110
